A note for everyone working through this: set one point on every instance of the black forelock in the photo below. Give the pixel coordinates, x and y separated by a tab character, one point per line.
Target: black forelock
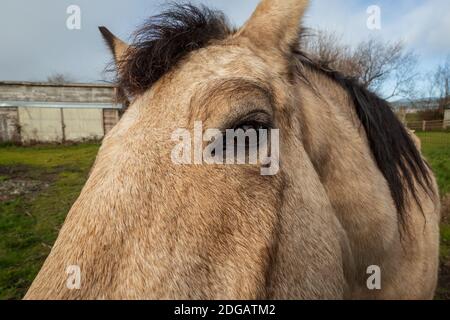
164	40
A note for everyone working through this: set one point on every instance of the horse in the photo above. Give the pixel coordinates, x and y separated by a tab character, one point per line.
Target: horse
352	194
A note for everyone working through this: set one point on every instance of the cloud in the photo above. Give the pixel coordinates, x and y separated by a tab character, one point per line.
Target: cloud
347	18
424	26
36	42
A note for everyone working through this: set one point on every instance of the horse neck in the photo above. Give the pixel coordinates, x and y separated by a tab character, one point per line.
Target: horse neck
337	145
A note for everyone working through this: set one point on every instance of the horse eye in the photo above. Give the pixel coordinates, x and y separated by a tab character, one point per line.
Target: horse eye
251	130
251	126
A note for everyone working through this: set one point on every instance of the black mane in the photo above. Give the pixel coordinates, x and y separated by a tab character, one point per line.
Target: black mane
166	39
392	147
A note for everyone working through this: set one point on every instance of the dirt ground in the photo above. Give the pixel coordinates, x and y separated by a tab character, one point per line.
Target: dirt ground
16	181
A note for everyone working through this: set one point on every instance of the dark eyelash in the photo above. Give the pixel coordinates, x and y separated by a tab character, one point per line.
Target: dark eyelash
259	118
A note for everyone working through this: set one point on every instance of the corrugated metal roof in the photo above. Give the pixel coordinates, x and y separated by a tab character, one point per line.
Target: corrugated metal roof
72	105
47	84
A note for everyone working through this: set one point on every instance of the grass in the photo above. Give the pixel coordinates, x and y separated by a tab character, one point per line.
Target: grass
436	148
29	224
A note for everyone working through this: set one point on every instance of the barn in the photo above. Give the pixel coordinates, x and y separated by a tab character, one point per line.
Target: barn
35	112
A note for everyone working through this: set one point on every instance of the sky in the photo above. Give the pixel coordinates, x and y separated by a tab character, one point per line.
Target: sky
35	41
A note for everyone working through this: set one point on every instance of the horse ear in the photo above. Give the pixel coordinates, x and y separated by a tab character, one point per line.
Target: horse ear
275	24
117	46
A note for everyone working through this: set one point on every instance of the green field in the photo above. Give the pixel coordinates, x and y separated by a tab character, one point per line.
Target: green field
39	184
29	223
436	148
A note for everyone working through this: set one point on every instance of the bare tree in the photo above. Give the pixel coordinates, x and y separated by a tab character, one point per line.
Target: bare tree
385	67
436	87
328	48
442	84
60	78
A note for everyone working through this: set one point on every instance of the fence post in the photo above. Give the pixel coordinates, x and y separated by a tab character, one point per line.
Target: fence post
424	125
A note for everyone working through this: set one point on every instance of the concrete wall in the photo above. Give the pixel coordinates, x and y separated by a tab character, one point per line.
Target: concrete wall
83	124
31	125
9	125
42	112
40	125
110	119
61	124
44	92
